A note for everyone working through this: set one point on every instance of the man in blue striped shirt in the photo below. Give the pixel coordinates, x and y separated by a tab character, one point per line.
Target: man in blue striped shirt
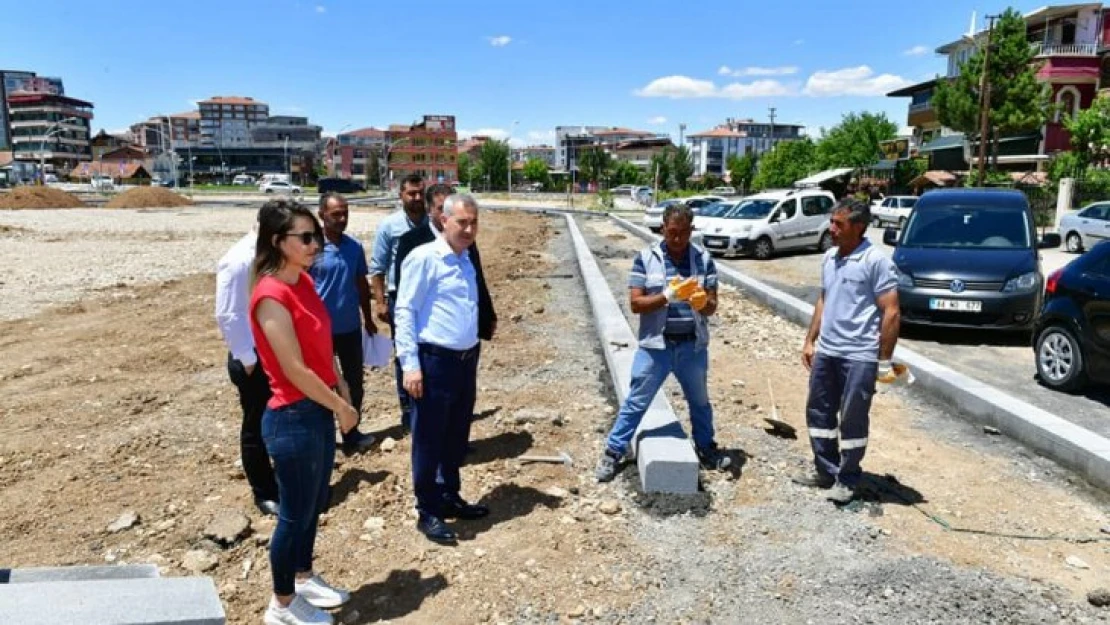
673	287
437	345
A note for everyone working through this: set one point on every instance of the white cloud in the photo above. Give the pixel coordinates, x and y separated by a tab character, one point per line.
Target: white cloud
684	87
852	81
658	120
118	131
785	70
799	42
541	135
499	41
321	8
917	51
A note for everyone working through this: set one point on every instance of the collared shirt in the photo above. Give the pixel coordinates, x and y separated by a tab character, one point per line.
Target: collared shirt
437	302
335	271
652	269
851	321
233	299
385	244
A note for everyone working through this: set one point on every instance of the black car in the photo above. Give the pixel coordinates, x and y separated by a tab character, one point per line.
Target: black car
1071	339
968	258
338	185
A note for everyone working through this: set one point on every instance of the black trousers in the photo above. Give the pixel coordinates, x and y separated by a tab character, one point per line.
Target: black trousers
254	392
348	347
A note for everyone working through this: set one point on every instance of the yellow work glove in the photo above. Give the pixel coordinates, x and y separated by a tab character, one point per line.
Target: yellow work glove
890	373
679	289
699	299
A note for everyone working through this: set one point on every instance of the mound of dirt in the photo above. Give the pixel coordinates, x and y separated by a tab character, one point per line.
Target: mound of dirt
148	197
38	197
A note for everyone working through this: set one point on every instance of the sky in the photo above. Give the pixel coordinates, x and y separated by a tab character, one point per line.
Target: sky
506	69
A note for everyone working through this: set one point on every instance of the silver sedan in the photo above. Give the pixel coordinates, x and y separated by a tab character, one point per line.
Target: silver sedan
1086	227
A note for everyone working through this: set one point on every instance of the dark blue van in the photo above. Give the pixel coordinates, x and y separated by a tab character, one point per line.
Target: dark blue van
968	258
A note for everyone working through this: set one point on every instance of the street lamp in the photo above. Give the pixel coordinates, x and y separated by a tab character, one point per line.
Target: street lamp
509	147
52	129
166	144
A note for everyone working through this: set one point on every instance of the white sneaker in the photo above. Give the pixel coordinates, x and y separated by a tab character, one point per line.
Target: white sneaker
298	612
320	593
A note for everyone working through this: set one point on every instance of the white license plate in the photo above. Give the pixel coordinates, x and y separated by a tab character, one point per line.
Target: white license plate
958	305
715	244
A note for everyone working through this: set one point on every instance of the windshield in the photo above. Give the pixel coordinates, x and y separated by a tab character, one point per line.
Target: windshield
752	209
716	209
979	227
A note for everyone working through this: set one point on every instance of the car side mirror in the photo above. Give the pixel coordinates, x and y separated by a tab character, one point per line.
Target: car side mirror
777	217
890	237
1049	240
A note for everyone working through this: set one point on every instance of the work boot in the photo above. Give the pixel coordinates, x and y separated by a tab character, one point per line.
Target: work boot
608	466
814	479
841	494
712	458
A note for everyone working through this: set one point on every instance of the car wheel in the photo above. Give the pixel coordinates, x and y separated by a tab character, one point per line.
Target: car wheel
268	191
876	222
1074	243
901	223
296	191
763	249
825	242
1059	359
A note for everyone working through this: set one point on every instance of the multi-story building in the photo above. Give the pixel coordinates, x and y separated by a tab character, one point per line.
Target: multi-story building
226	121
1071	45
639	152
545	153
53	130
472	146
568	140
428	148
104	143
710	150
353	153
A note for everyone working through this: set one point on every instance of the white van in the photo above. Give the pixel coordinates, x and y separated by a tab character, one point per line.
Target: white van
770	222
273	178
242	180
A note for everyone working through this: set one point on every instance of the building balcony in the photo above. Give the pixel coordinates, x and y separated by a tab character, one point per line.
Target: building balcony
1064	49
920	108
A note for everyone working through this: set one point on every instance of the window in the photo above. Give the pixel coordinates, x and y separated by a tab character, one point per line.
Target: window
787	209
1094	211
812	206
1067	103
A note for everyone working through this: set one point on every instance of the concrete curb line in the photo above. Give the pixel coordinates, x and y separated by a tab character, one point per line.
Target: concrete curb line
1070	445
664	455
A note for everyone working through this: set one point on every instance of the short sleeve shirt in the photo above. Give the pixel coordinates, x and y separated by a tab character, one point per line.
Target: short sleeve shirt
680	315
335	271
850	324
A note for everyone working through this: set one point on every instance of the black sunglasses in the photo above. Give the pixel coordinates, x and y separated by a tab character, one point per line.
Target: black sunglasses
306	237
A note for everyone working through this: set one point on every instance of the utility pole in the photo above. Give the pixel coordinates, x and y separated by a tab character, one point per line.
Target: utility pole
985	101
772	110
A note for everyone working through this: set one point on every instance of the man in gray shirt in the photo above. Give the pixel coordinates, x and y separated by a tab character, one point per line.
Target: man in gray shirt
848	347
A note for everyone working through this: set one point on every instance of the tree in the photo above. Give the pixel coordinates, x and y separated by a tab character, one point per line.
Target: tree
626	173
535	170
465	168
373	169
1090	133
1018	102
711	181
682	166
787	162
741	170
854	142
493	163
594	163
660	166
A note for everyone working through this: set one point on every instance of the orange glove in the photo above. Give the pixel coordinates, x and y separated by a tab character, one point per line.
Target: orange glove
679	289
889	373
699	299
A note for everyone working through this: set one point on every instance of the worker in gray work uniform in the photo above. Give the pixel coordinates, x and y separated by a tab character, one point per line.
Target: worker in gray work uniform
847	349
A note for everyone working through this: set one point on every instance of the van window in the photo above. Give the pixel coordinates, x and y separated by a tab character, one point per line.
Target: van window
907	202
787	209
813	205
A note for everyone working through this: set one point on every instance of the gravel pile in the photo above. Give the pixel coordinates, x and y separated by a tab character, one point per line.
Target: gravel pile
148	197
38	197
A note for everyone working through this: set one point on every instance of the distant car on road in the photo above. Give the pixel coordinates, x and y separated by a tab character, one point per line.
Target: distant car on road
770	222
624	190
653	216
893	210
968	258
698	202
242	180
725	191
280	186
1086	227
1071	339
338	185
101	183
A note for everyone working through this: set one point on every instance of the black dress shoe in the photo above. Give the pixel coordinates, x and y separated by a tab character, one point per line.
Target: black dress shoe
267	506
436	530
458	509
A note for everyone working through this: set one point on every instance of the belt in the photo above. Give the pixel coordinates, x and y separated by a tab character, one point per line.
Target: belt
444	352
680	338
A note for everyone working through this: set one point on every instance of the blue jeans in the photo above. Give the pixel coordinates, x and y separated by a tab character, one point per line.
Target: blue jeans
300	438
403	397
844	387
650	368
441	425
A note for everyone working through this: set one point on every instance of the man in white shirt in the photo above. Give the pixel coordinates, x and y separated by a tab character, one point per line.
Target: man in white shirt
233	319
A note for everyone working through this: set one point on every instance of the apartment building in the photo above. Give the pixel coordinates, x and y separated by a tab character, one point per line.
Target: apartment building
711	149
40	125
353	153
428	148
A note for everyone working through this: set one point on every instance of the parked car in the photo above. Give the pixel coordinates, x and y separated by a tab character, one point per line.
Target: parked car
968	258
272	178
643	195
280	186
653	215
766	223
338	185
1071	338
1086	227
101	183
726	191
624	190
894	210
242	180
698	202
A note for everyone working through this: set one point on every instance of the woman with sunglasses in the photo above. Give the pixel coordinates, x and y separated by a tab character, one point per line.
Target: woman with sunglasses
292	332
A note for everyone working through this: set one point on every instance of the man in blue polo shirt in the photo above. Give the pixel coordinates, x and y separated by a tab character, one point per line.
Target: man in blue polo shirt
339	272
673	287
847	349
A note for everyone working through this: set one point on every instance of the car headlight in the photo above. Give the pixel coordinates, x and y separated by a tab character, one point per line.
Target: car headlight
1024	282
904	279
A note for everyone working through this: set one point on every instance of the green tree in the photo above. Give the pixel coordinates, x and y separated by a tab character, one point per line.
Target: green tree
626	173
535	170
465	167
854	142
787	162
373	169
741	170
594	163
660	166
1090	133
493	163
682	166
1018	101
1065	165
905	171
